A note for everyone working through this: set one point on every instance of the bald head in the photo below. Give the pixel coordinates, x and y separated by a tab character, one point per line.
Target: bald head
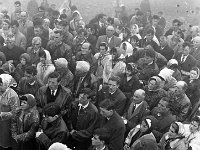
181	85
138	96
110	30
86	48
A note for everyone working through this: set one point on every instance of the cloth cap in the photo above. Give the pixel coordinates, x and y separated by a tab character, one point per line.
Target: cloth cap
62	62
82	66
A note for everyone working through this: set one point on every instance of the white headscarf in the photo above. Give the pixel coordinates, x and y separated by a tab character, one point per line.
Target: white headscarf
8	80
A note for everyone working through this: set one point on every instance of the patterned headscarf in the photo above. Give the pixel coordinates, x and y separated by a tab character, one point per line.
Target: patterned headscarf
8	80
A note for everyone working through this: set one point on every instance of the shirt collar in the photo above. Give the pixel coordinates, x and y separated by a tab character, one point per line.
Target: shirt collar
85	106
101	148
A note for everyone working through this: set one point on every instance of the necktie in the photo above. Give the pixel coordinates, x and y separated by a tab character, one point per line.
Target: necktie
52	93
133	108
80	109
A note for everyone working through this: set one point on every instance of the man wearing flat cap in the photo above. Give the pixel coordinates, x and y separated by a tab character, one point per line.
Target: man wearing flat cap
84	116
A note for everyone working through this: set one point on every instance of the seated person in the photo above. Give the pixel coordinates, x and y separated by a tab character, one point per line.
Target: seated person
141	131
25	123
53	127
174	138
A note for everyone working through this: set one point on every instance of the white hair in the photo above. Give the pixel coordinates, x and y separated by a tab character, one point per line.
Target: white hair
58	146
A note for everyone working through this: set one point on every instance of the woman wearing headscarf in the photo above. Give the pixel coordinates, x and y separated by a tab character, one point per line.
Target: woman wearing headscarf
9	101
154	91
25	124
174	139
44	67
135	31
77	22
114	66
142	131
20	69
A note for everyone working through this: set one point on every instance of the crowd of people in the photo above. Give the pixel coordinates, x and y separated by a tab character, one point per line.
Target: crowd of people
116	83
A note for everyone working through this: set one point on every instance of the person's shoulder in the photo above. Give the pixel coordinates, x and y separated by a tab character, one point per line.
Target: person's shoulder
66	90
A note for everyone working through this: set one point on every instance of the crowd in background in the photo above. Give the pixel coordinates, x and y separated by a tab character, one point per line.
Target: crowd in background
116	83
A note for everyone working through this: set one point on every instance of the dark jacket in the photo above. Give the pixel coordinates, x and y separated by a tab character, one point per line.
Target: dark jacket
188	64
24	126
116	128
27	87
118	99
135	117
13	54
167	52
129	87
59	51
63	99
84	121
52	132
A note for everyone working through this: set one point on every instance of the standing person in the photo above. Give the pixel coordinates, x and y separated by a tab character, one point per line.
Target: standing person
110	39
34	50
44	67
32	8
84	116
54	92
8	103
113	123
25	124
16	14
20	39
11	51
24	23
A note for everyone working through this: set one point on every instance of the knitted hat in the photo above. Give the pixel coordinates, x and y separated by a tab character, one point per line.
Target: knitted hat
26	57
